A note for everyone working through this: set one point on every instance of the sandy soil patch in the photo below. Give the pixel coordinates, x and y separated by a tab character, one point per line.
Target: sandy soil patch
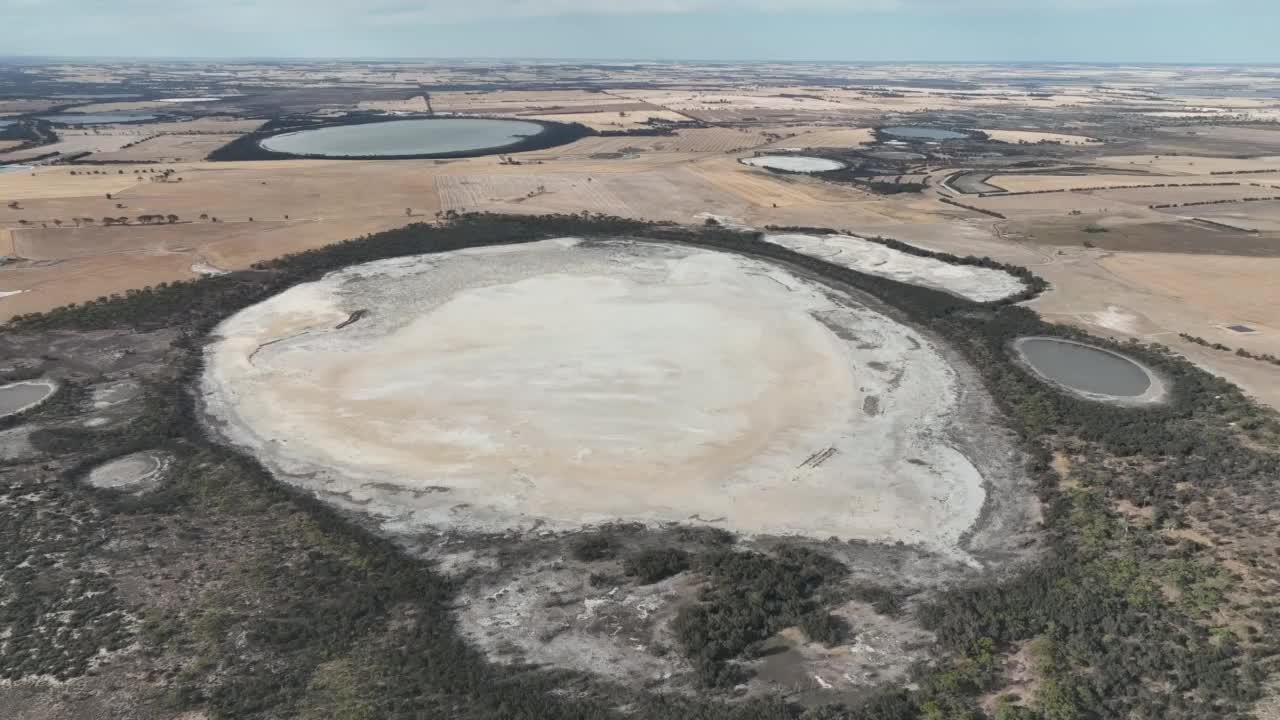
794	163
975	283
607	395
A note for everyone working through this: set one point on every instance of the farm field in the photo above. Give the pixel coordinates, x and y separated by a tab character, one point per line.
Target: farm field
826	137
1196	164
613	119
166	148
1258	216
70	143
1037	182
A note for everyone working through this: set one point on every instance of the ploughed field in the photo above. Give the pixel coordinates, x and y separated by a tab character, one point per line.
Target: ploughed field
567	383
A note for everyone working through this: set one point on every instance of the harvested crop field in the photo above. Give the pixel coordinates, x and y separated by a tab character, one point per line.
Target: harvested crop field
529	385
473	192
828	137
167	148
1257	216
1032	183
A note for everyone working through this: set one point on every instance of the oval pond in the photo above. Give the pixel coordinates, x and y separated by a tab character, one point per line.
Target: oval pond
404	137
1084	368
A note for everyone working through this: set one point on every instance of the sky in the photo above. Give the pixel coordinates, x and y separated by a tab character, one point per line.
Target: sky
1166	31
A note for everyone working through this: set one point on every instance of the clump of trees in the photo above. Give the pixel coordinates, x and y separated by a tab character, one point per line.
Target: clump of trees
1240	352
750	598
655	565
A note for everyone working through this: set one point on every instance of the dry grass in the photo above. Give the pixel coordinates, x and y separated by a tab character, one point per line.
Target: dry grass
1028	182
50	183
1259	216
167	148
826	137
1254	298
101	261
1193	165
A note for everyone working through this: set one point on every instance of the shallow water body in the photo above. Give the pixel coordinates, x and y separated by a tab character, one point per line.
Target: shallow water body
404	137
1084	368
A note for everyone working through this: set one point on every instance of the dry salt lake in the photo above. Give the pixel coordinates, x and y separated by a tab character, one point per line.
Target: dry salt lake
19	396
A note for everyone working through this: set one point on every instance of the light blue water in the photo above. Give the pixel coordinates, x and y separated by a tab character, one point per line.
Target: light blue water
404	137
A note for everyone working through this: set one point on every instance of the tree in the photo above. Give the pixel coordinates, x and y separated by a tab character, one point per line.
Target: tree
171	218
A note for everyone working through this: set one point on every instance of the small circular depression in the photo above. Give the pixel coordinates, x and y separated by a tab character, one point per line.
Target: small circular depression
1090	372
21	396
138	472
795	163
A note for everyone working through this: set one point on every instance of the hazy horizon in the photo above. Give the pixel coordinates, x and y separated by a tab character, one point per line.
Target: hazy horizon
927	31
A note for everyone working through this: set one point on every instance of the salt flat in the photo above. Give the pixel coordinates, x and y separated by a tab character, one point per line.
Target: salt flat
566	383
794	163
975	283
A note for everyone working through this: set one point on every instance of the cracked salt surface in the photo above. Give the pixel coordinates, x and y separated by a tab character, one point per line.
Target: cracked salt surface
566	383
969	281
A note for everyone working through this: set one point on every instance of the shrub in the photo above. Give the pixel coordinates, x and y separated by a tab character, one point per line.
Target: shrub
651	566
